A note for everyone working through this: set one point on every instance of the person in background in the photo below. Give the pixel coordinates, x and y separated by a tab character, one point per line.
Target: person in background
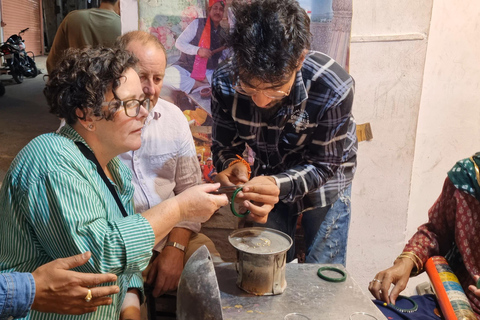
209	171
54	288
201	44
293	108
81	28
165	165
67	192
452	231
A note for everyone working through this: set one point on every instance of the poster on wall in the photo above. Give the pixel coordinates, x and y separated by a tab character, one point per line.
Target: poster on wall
181	26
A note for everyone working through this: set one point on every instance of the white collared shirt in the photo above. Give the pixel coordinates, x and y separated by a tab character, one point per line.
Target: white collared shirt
166	164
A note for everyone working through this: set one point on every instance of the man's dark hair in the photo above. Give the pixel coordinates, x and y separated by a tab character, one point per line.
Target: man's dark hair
268	39
81	80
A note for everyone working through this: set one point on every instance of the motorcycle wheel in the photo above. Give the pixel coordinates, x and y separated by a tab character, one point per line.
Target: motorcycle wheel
17	77
30	64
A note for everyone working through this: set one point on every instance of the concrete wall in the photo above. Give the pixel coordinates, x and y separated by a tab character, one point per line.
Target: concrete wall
448	123
388	49
420	129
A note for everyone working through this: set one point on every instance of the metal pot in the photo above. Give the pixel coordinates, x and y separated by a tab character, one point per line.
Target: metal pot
261	259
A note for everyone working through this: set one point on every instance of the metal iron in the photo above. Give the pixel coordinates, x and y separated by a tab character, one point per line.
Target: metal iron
198	294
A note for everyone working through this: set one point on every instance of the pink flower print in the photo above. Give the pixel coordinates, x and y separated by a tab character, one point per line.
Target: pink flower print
188	15
142	25
164	35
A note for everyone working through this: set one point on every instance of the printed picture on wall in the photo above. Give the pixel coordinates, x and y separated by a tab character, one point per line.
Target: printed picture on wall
193	33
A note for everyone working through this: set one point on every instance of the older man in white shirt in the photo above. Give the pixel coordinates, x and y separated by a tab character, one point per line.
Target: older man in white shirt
165	165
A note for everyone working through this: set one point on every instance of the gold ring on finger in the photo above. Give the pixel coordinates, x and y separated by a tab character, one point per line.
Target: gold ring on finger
88	297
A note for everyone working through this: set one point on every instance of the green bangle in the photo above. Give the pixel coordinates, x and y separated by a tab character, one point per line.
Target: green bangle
324	277
412	309
232	204
478	283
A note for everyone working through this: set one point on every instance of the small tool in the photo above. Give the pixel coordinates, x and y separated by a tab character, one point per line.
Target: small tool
226	189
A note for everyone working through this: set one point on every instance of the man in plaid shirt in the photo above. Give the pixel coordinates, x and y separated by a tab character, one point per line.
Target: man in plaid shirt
293	107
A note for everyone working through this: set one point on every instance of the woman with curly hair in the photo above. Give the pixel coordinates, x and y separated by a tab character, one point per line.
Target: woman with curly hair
67	193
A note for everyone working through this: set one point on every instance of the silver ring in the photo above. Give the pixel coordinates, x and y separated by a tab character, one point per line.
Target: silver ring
376	280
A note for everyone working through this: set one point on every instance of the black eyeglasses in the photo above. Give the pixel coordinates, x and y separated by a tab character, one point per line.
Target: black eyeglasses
131	106
270	93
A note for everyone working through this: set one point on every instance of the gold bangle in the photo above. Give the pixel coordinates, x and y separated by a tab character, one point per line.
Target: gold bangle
417	263
401	256
420	262
412	273
413	257
240	159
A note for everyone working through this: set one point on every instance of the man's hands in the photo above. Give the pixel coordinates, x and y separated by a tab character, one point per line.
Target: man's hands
233	175
197	205
60	290
204	53
258	195
166	270
398	275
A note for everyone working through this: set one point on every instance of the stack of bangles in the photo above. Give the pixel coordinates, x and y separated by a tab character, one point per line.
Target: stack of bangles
416	261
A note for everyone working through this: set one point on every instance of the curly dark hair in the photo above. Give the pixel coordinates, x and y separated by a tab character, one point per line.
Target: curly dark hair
268	39
82	78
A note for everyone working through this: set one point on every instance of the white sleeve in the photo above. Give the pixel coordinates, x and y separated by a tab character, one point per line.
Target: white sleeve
184	39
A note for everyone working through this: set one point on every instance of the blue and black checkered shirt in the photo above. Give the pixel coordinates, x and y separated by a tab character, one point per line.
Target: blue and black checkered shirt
309	145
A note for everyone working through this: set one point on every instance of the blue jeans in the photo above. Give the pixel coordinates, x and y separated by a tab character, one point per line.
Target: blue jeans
325	229
330	241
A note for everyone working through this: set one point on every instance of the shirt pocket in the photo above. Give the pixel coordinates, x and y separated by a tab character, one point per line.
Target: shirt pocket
162	167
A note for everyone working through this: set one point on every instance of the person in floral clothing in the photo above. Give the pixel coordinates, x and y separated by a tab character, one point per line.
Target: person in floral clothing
452	231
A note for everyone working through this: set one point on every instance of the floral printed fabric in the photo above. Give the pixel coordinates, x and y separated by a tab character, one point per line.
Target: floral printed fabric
167	19
453	224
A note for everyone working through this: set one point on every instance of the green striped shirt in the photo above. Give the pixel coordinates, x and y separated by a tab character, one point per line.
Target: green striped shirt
54	204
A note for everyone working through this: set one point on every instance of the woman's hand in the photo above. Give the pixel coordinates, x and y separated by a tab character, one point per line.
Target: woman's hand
197	205
398	275
473	288
259	195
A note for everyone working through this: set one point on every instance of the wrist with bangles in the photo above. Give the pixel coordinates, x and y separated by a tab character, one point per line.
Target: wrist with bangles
415	259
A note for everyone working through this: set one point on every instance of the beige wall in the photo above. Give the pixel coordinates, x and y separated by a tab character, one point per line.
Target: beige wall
421	97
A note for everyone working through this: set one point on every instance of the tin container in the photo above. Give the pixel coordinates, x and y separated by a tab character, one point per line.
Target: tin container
261	259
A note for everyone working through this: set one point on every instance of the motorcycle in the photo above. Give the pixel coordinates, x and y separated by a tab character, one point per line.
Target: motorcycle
16	60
